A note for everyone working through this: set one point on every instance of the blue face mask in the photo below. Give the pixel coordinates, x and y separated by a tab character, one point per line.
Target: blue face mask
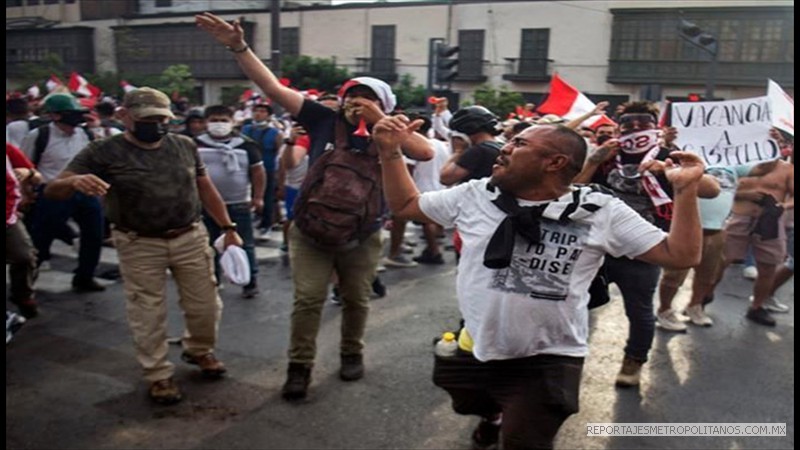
149	132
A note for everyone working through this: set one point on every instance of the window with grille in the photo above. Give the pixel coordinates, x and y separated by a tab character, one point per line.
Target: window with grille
470	55
383	49
290	41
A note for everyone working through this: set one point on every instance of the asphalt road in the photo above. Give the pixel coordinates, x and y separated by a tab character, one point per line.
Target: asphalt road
72	380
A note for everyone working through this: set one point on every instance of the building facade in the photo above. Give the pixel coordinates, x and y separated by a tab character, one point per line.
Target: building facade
614	50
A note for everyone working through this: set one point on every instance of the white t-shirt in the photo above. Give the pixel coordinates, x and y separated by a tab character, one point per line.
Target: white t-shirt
538	305
60	150
426	173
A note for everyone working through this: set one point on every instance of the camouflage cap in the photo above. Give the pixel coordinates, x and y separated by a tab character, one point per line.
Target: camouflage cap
147	102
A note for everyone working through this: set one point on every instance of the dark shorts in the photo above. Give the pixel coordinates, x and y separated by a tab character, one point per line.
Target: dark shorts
535	394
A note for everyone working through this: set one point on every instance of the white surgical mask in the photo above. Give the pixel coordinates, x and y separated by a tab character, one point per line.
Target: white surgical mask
220	129
262	123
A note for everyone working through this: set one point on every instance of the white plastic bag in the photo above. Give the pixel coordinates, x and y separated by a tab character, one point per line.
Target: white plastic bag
234	262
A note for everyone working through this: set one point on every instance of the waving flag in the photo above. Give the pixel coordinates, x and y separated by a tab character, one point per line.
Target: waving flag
569	103
53	83
80	86
127	87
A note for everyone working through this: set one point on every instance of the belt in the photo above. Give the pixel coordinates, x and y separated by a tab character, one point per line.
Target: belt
169	234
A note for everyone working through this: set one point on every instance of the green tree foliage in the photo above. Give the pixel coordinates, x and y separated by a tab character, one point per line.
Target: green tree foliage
500	102
408	95
39	72
177	78
230	94
108	82
314	73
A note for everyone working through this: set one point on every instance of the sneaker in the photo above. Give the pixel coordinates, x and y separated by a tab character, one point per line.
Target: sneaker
298	377
250	291
45	266
378	287
398	261
760	316
81	285
352	368
630	372
28	307
13	323
698	316
336	299
773	305
750	272
380	268
165	392
486	436
209	365
669	320
427	258
263	234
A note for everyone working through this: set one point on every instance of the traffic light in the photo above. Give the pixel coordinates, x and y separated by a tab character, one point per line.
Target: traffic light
446	63
697	37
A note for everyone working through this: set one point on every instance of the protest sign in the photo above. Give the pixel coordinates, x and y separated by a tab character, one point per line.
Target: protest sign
726	133
782	108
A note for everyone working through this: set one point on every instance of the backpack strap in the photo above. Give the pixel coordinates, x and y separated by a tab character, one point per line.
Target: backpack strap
41	143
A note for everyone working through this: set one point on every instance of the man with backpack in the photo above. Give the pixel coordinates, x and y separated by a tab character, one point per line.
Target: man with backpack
337	213
51	147
523	280
270	139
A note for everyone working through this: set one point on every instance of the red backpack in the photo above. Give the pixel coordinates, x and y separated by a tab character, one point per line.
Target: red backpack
341	198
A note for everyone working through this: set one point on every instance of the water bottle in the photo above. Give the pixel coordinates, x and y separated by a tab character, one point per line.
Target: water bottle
447	345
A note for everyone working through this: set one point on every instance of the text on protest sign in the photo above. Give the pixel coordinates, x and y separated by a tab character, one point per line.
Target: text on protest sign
726	133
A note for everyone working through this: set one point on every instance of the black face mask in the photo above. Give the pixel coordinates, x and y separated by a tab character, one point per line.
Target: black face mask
149	132
72	118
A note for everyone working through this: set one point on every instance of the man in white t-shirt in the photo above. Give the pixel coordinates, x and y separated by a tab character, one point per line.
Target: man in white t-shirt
524	300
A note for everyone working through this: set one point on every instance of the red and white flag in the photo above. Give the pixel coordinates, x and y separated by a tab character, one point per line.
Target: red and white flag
33	92
53	83
567	102
80	86
127	87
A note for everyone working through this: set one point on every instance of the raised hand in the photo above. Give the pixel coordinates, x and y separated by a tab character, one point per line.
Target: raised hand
605	152
390	132
689	170
228	34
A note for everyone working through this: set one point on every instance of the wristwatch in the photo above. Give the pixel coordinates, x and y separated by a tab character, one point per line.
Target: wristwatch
231	227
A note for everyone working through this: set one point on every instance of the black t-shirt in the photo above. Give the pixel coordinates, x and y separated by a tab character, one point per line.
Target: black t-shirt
479	159
630	190
320	123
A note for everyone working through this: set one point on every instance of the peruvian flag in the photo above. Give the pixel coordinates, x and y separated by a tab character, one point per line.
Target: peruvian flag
79	85
53	83
569	103
246	95
33	92
127	87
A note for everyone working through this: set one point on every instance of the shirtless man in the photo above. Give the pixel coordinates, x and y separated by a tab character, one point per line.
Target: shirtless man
755	220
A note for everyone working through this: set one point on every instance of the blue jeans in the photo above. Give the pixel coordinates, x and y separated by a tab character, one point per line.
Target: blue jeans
269	201
637	281
50	218
241	214
749	258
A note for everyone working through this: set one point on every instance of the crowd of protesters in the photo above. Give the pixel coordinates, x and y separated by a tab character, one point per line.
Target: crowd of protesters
541	207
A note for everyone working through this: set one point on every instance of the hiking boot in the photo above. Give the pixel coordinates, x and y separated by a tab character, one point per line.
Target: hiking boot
630	372
165	392
398	261
378	287
669	320
250	291
760	316
352	367
486	436
298	377
28	307
209	365
427	257
81	285
698	316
